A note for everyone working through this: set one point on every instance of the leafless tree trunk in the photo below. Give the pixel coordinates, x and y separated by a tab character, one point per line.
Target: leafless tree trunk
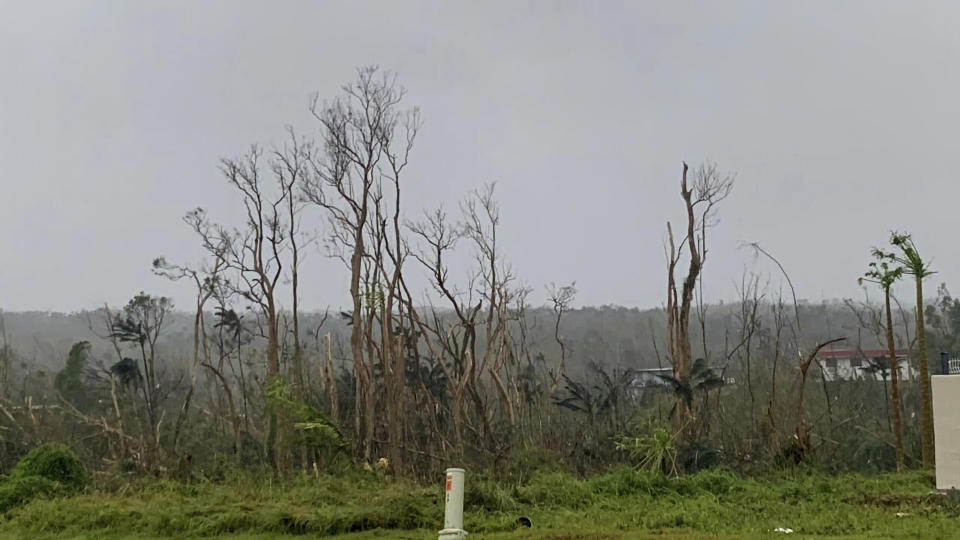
290	166
6	360
561	299
894	385
255	254
366	141
205	280
802	431
330	381
709	187
440	237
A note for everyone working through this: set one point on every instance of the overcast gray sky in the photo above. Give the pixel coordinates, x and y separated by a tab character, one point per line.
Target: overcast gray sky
839	118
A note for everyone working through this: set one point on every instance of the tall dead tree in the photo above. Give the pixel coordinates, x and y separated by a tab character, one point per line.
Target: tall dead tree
290	165
6	360
396	334
561	299
206	279
493	281
700	199
439	237
255	254
365	139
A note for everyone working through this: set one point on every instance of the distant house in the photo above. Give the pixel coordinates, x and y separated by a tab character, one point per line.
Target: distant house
650	377
863	364
645	379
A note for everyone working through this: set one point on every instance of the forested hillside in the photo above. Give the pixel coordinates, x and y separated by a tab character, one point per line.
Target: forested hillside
612	336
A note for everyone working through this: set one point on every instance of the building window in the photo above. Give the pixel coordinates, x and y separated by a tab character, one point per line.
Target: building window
832	363
856	362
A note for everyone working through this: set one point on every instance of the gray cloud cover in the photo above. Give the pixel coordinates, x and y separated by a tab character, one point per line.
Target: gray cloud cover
838	117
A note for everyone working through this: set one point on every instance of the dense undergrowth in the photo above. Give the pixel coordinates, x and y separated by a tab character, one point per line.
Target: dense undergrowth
622	502
50	469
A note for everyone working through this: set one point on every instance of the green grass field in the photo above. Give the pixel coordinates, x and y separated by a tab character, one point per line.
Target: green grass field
623	503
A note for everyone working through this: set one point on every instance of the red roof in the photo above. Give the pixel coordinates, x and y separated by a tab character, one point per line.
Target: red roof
866	353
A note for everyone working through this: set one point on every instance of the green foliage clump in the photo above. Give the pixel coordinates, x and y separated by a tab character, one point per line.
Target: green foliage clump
486	495
20	490
69	381
49	469
313	427
526	462
626	481
556	489
655	451
54	462
713	481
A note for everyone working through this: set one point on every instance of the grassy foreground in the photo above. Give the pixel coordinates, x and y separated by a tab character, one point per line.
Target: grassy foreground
623	503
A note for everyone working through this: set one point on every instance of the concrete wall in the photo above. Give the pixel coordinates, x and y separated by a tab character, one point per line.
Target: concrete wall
946	428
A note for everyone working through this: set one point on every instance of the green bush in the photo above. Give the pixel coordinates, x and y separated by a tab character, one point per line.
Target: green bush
527	462
19	490
54	462
483	494
47	470
715	481
626	481
655	450
556	489
629	481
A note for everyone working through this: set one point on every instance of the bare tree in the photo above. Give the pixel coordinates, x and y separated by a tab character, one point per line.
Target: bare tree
361	151
802	431
439	237
255	255
6	360
709	188
290	165
206	279
493	279
481	314
561	299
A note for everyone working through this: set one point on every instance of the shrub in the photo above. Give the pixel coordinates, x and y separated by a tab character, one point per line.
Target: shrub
482	494
628	481
527	462
715	481
556	489
54	462
655	451
19	490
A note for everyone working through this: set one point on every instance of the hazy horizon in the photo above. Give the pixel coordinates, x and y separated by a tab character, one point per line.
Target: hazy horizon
837	119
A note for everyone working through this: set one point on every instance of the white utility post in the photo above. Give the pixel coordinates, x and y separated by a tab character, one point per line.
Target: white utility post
453	509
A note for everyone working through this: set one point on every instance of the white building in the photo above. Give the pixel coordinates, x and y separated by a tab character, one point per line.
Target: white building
864	364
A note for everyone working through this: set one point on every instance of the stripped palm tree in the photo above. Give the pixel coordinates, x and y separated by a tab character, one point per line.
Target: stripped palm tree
702	379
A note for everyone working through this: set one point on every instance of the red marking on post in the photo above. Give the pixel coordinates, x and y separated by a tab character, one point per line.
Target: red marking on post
449	482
